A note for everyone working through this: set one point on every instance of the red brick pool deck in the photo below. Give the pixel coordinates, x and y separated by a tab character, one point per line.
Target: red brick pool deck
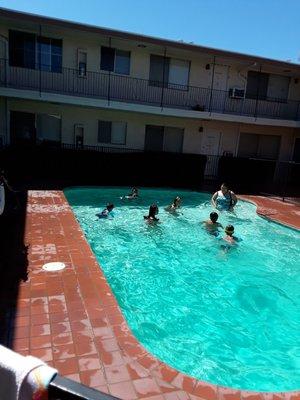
71	319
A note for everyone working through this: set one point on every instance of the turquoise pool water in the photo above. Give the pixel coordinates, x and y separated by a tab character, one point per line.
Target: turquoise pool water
227	318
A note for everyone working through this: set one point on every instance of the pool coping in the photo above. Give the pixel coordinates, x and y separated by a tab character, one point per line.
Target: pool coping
72	320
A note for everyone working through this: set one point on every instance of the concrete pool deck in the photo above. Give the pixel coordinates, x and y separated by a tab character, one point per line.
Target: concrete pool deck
71	319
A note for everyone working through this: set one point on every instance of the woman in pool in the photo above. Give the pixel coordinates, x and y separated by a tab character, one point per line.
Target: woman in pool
106	212
153	211
172	208
224	199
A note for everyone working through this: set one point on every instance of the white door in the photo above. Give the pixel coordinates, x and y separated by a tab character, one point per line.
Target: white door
210	146
219	93
220	77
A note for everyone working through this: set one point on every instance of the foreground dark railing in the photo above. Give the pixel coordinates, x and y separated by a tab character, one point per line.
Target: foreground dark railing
112	87
65	389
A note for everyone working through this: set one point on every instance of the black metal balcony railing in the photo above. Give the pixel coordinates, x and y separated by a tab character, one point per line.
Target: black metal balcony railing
141	91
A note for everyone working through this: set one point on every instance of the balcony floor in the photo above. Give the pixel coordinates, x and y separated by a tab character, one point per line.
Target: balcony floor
72	321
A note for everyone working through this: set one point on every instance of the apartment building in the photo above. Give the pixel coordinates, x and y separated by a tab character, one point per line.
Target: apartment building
79	85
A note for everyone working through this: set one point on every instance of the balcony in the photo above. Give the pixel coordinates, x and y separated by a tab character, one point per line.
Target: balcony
121	88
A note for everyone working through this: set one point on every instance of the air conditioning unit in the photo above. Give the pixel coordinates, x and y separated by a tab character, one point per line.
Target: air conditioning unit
236	93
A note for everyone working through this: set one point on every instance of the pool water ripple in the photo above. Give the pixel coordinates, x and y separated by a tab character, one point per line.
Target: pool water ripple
229	318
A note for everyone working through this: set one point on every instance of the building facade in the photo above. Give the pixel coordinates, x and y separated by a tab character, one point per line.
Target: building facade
78	85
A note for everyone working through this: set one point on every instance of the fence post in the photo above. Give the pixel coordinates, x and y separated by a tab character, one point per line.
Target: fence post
212	84
163	82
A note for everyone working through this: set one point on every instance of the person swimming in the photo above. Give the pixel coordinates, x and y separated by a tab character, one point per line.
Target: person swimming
153	211
132	195
172	208
106	212
229	238
211	225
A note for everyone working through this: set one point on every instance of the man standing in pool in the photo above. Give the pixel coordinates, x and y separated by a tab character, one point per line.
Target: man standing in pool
224	199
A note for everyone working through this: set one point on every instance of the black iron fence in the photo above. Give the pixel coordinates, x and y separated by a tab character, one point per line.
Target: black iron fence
255	175
101	149
113	87
103	165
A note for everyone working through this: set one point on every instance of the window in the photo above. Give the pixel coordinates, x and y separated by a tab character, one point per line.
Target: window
112	132
49	54
169	72
257	85
82	60
48	127
296	153
267	86
179	72
113	60
78	135
22	49
163	138
259	146
36	52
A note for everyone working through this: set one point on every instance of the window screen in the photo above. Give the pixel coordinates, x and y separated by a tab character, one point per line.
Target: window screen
48	127
269	146
104	132
107	58
248	145
259	146
113	60
122	64
118	132
173	139
159	70
179	73
257	85
154	139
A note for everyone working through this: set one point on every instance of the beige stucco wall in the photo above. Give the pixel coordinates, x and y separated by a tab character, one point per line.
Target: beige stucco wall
140	57
136	123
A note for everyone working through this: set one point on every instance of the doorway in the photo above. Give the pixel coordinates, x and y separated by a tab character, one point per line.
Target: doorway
210	146
22	128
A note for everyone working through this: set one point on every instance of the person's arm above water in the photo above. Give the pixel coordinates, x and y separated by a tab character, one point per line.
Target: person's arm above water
213	199
233	199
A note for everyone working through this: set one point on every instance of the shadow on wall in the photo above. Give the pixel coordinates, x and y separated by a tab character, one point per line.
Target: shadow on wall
13	261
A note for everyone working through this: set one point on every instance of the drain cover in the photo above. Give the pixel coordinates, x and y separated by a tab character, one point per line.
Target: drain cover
54	266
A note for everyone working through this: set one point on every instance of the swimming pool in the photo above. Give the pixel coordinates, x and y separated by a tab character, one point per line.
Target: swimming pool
228	318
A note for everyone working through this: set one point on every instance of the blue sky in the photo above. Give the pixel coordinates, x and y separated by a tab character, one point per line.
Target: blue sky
269	28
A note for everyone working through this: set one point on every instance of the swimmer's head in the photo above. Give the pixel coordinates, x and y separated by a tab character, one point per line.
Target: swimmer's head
229	230
224	188
135	190
213	217
153	210
110	206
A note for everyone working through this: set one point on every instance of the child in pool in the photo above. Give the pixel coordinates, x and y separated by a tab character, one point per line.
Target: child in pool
132	195
172	208
106	212
153	211
211	225
229	238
